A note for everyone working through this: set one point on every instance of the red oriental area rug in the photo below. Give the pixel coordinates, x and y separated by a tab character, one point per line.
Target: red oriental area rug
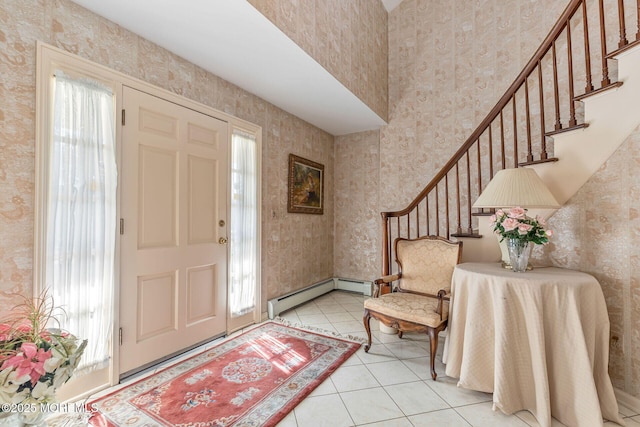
254	379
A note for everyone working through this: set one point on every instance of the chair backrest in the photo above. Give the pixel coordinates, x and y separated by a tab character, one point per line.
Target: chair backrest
426	263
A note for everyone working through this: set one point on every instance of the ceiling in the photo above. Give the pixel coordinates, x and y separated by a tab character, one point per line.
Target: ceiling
234	41
391	4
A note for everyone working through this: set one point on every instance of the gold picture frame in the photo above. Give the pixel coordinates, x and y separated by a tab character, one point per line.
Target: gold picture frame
306	186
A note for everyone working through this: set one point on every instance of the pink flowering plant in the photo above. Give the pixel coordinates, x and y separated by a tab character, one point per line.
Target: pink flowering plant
35	360
515	224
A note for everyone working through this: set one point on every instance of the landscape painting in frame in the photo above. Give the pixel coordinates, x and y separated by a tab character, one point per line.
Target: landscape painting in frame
306	186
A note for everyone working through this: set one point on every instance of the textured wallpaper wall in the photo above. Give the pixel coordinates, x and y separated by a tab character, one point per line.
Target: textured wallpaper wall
347	37
596	232
449	62
357	254
289	240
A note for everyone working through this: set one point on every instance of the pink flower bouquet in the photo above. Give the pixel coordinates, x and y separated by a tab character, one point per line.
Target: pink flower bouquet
34	360
515	224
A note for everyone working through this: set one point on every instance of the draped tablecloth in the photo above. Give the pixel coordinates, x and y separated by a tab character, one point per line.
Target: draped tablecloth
538	341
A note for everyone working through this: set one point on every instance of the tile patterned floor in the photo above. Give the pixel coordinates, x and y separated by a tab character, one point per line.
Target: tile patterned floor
391	386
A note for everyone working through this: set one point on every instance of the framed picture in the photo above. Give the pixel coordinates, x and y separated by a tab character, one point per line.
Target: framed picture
306	186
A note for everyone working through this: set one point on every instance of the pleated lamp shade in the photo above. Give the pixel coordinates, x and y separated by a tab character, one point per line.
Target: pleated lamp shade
516	187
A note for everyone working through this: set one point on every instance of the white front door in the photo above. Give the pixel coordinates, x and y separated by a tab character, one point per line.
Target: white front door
173	249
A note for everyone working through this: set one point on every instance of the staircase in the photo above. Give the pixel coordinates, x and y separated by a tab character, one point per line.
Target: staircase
540	122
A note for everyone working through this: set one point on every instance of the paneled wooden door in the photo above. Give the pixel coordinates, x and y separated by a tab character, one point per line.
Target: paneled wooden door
173	245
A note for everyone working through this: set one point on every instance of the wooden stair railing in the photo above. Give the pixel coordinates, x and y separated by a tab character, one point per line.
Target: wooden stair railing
511	130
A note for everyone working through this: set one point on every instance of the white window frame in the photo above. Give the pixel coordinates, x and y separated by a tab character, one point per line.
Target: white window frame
235	323
50	59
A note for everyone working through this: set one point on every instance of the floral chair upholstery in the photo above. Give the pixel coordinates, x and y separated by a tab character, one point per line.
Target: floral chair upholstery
419	302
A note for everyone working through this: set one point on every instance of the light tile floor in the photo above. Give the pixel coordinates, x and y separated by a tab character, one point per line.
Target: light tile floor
391	385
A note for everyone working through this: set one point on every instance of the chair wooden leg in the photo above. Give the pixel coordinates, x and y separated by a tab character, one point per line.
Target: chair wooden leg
433	341
367	327
399	333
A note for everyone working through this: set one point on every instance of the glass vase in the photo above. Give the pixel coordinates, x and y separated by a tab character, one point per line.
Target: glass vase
33	419
519	251
22	419
9	419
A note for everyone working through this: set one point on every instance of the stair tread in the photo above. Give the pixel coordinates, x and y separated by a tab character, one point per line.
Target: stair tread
483	213
470	235
596	91
628	46
537	162
567	129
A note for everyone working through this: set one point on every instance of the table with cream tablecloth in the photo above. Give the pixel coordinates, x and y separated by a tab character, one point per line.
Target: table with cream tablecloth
538	341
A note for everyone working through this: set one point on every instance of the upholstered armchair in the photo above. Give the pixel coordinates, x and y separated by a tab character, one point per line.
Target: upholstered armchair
420	300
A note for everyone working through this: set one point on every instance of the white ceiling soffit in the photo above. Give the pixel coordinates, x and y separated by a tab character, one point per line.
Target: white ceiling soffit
231	39
391	4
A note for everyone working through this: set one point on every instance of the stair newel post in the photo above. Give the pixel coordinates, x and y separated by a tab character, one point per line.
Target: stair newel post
437	233
606	81
469	228
556	93
572	104
502	147
623	29
426	199
459	228
587	51
638	20
515	134
392	254
543	141
479	164
386	248
528	114
446	203
490	152
480	169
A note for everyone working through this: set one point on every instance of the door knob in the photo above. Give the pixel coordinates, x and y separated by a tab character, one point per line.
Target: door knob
222	240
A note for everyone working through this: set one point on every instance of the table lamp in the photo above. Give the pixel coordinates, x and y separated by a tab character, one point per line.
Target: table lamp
516	187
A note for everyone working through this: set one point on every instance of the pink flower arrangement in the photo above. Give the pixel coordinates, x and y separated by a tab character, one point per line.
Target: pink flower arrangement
35	360
29	360
515	224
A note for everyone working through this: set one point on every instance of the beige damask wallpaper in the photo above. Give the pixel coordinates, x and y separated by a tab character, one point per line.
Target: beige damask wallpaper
289	240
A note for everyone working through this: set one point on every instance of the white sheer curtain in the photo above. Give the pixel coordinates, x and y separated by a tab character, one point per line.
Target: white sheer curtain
244	209
81	213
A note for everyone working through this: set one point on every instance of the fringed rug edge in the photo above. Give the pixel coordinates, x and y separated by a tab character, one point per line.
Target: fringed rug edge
347	337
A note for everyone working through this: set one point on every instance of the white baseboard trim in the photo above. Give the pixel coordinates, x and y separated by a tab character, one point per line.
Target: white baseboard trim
278	305
627	400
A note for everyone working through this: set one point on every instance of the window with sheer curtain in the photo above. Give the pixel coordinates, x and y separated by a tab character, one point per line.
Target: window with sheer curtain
81	213
244	213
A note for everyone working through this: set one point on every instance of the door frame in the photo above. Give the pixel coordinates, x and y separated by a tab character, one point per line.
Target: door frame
48	58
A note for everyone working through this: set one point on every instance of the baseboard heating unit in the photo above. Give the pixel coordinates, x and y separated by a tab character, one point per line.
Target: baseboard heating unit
358	286
281	304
